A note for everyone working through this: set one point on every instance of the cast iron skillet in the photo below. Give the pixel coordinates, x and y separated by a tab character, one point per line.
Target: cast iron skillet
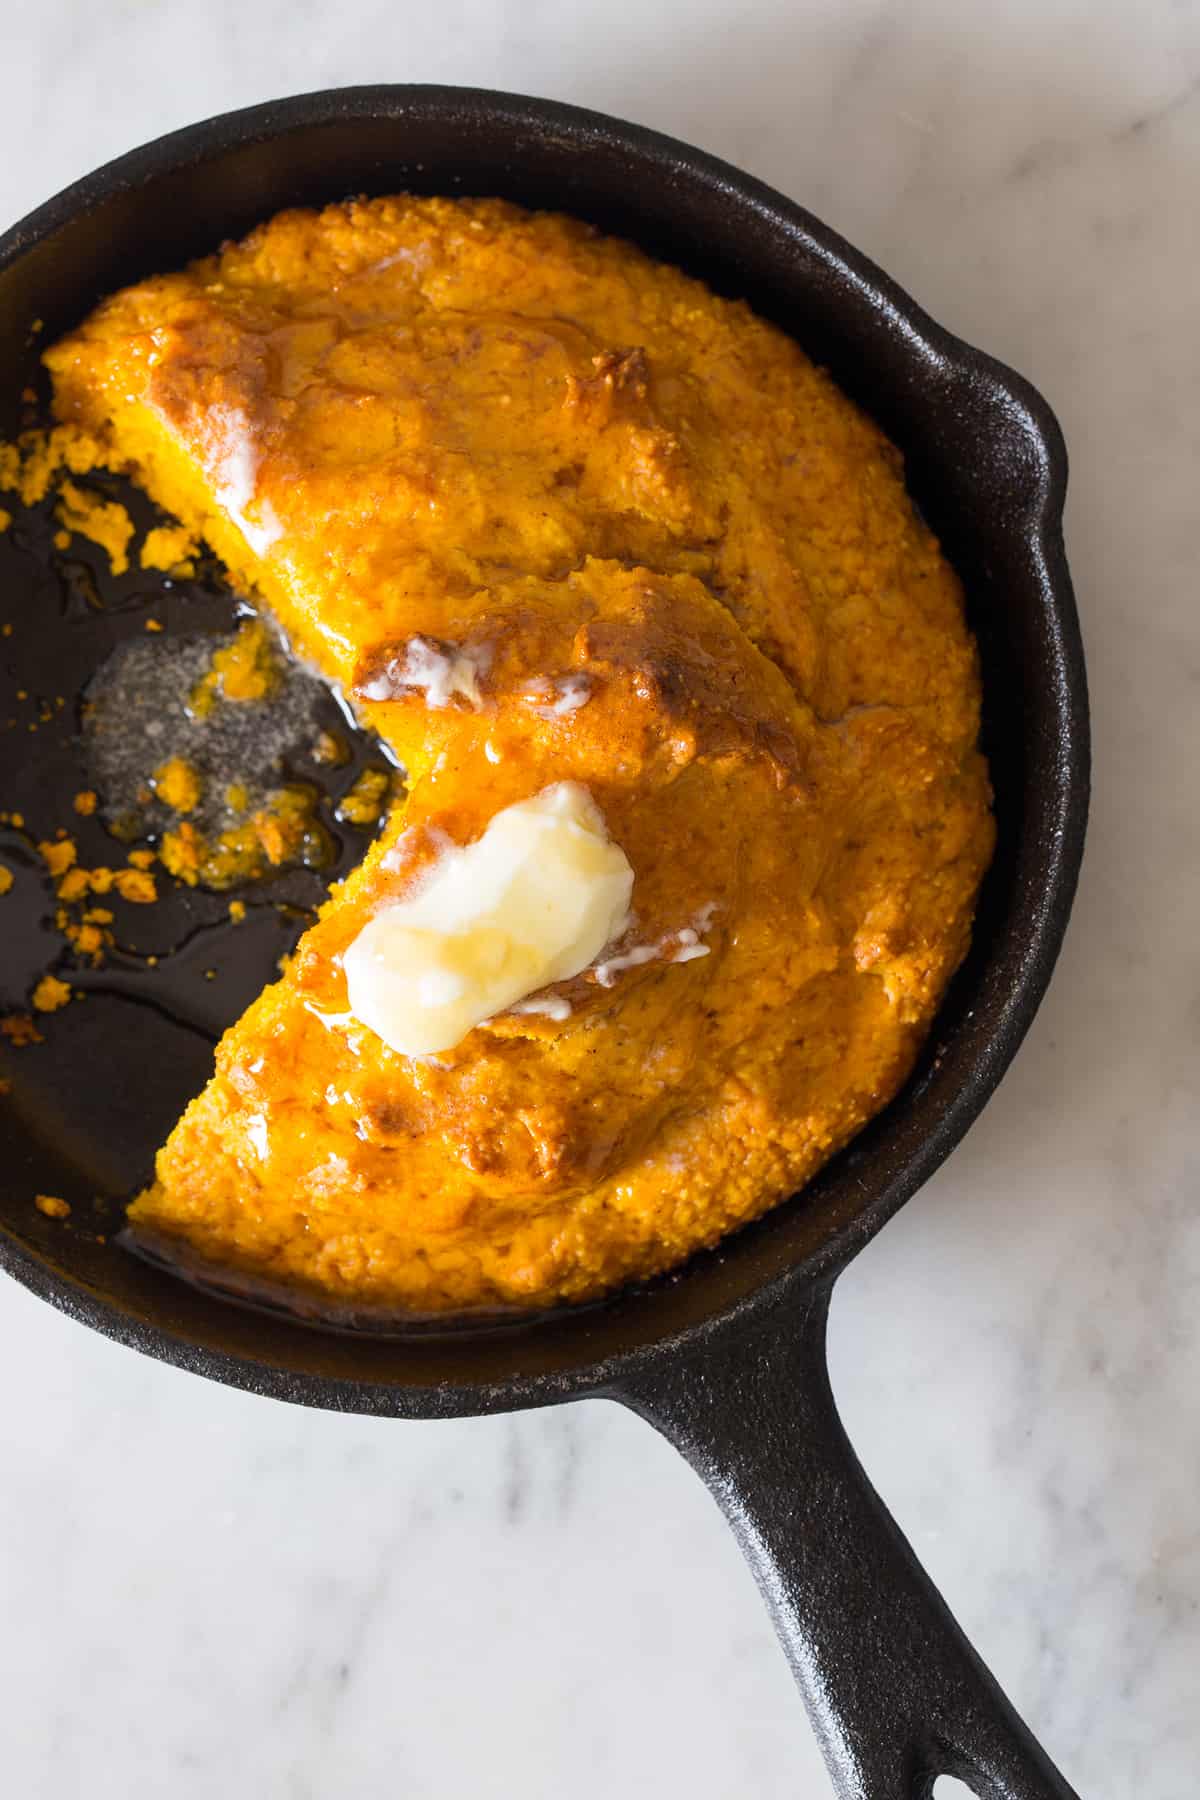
727	1359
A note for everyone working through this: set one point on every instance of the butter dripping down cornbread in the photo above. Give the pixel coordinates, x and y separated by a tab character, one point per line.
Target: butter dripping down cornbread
683	571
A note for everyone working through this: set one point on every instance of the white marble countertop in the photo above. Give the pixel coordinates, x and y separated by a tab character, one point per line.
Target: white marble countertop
203	1594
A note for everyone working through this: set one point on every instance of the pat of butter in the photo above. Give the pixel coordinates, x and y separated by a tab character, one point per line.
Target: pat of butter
534	900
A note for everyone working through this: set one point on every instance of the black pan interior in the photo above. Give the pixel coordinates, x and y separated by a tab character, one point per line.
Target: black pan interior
986	465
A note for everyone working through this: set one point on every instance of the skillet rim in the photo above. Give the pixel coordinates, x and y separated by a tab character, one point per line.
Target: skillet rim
1064	783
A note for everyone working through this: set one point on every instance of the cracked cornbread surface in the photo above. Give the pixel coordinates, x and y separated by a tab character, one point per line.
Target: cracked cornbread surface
682	569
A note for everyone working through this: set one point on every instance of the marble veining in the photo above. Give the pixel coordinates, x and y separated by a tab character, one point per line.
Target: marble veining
204	1594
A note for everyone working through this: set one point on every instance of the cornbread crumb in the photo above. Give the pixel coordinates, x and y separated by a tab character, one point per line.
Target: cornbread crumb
177	783
5	519
52	1206
6	879
136	886
362	803
153	625
29	467
88	940
50	994
85	802
20	1029
329	750
141	859
183	853
105	522
273	835
244	669
169	548
74	885
237	911
58	857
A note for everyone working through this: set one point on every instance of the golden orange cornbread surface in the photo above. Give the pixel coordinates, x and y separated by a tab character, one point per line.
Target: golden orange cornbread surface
687	572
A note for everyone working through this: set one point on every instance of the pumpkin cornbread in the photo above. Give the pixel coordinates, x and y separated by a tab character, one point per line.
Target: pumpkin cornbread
551	512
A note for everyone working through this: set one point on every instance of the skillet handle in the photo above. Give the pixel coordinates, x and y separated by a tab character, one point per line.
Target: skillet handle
896	1694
